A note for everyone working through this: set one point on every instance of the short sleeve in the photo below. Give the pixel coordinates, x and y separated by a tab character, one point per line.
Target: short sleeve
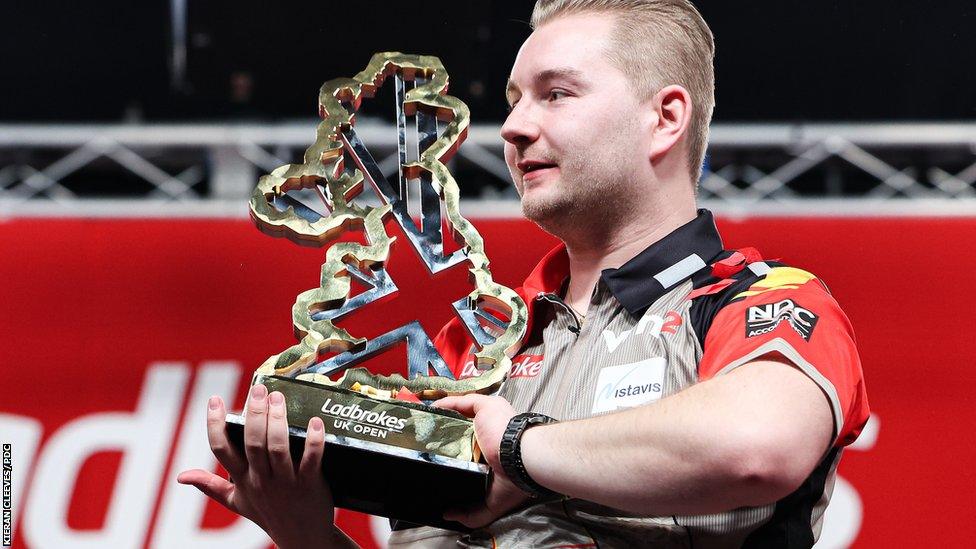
790	312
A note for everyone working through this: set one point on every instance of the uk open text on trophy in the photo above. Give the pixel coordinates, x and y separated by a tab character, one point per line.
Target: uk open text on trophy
387	452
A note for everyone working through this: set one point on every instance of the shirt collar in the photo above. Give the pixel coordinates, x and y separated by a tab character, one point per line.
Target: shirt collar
665	264
549	275
647	276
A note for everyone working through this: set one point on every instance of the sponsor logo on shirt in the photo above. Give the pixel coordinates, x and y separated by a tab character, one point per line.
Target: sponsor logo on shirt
522	366
526	366
762	319
652	325
629	385
637	390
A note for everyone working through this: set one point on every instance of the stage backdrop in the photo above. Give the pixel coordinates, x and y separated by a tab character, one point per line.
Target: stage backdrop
115	332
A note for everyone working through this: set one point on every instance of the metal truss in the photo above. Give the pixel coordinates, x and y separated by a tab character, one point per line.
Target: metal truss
197	169
864	162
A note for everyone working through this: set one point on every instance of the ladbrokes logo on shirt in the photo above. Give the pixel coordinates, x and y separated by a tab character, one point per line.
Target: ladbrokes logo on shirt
522	366
526	366
763	319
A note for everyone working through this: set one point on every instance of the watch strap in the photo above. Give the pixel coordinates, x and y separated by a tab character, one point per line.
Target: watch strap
510	453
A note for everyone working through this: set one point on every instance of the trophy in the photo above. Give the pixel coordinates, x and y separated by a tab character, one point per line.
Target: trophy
387	451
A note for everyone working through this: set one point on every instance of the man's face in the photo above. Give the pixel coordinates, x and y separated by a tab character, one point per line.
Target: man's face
576	135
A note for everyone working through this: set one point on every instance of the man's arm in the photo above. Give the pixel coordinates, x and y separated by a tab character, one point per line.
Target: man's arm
743	439
746	438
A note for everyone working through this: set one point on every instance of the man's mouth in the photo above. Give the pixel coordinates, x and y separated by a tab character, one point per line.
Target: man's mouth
529	166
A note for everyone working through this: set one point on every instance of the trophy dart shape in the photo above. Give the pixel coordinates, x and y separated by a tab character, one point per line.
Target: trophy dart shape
385	448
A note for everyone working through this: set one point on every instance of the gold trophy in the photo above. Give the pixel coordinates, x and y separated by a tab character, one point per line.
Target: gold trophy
387	451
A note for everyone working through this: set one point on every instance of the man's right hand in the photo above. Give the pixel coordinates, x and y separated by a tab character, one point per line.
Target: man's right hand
291	503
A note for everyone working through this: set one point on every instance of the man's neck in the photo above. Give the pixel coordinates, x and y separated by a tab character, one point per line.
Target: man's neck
588	257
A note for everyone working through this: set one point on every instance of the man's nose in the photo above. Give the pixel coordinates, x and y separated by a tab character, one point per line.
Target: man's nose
520	126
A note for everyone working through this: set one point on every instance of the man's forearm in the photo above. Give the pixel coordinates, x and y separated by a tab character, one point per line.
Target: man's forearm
747	438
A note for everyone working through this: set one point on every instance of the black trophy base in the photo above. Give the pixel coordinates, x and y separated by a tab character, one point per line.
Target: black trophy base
389	481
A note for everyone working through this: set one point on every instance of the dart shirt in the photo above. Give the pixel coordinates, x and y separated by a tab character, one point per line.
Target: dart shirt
683	311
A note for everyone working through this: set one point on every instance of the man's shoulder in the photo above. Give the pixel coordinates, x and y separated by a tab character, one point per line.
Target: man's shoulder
744	277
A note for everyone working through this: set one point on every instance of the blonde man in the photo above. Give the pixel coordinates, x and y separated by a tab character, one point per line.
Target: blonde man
703	395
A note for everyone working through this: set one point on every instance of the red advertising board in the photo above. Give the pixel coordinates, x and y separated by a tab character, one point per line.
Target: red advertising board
115	332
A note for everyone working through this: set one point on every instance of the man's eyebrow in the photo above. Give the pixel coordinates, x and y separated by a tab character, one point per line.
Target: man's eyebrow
545	76
556	74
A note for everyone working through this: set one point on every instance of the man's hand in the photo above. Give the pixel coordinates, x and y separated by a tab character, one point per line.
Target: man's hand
291	503
491	415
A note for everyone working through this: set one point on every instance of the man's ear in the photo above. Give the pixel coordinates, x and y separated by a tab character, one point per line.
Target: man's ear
672	104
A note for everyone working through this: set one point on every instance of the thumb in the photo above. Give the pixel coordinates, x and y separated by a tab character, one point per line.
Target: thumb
213	486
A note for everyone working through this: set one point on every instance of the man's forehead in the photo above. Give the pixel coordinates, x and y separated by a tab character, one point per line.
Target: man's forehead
567	45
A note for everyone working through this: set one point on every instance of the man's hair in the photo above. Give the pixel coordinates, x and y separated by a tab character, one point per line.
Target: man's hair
656	43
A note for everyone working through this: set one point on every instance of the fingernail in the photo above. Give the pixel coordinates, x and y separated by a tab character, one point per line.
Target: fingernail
213	403
316	424
258	392
276	398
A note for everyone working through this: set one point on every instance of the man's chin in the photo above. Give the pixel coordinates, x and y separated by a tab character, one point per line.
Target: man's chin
545	212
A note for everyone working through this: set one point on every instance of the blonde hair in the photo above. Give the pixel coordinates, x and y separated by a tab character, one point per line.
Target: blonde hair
657	43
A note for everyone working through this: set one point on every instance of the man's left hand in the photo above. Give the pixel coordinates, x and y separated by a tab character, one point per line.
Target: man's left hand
491	415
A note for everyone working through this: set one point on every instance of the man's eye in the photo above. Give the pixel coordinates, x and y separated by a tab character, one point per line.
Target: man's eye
556	95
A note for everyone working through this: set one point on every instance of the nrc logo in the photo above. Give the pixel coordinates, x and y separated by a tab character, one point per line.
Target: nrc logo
763	319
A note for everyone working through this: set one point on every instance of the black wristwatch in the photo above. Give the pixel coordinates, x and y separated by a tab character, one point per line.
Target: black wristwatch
510	453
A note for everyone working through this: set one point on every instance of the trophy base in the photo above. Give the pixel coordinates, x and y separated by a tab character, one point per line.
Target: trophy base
402	483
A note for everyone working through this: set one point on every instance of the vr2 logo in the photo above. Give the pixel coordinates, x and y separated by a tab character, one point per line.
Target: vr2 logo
763	319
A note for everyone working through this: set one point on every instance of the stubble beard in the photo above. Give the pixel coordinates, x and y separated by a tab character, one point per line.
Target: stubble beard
591	196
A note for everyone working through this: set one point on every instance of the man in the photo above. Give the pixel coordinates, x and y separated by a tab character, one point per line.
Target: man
703	395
